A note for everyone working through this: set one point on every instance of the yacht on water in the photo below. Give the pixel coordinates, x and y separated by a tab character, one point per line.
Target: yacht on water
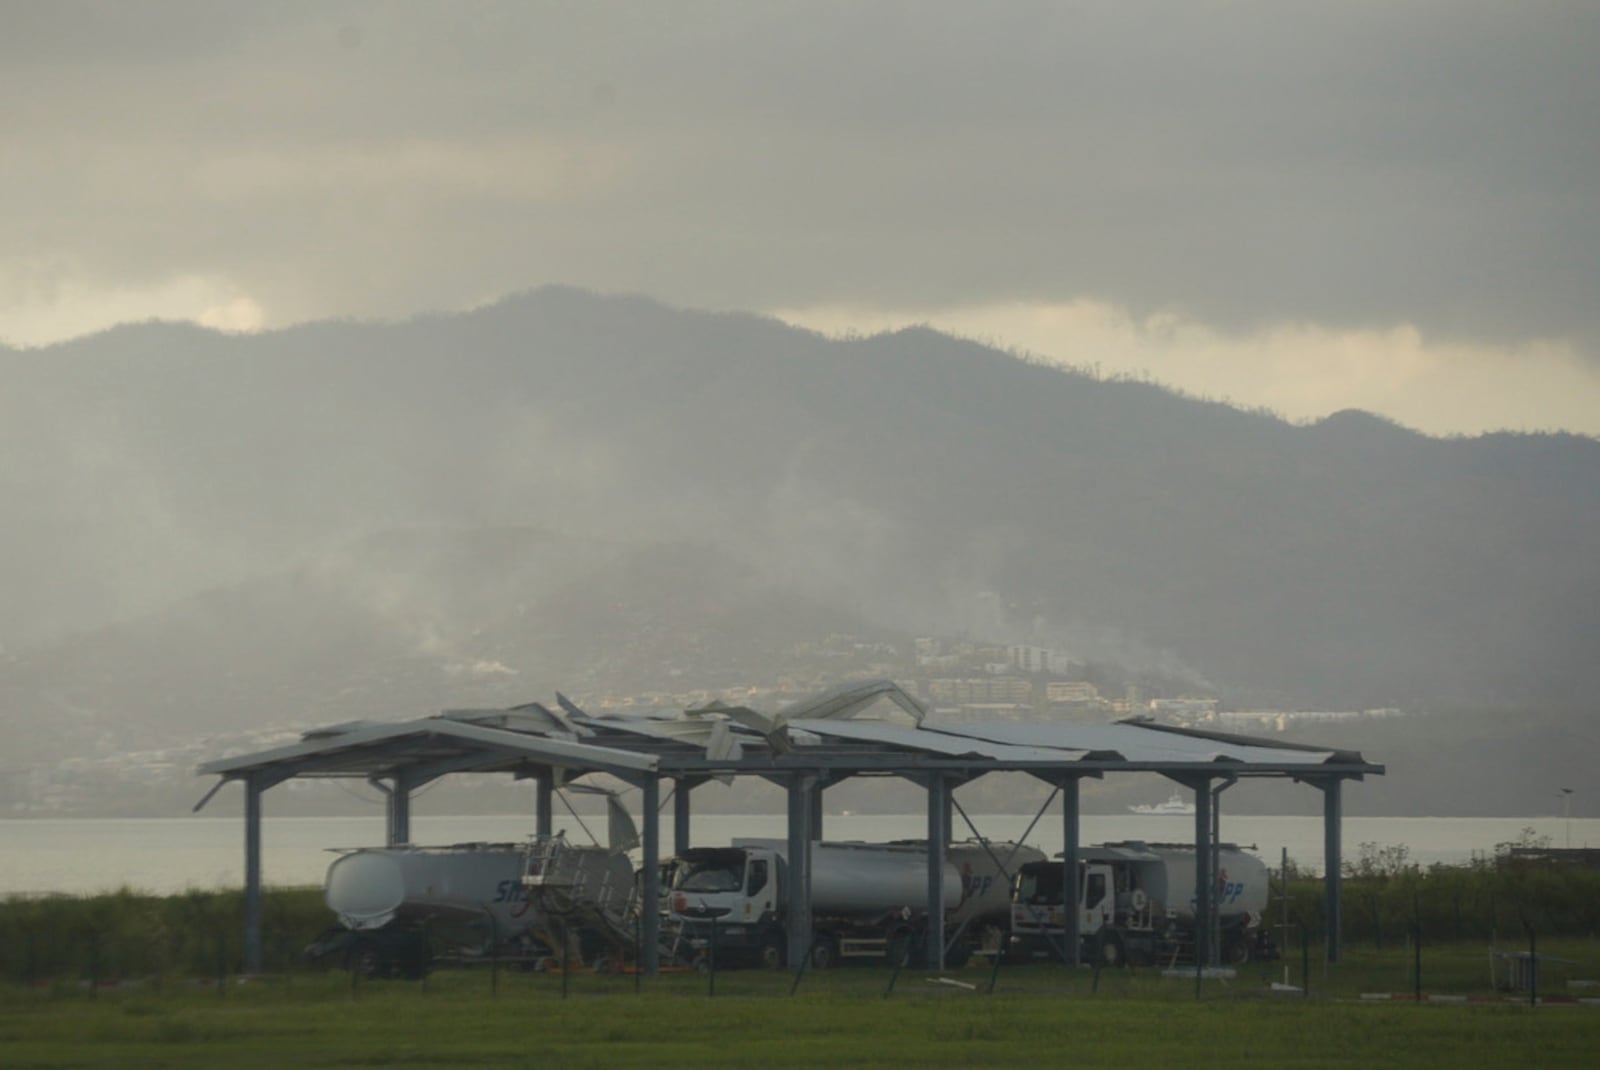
1175	806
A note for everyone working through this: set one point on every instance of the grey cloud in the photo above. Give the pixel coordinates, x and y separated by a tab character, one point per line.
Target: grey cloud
1362	164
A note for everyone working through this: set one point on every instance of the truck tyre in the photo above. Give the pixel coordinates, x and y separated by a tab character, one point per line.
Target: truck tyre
772	953
824	954
1235	949
1109	950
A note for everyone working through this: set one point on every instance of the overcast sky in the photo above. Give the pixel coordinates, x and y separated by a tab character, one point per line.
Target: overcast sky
1393	206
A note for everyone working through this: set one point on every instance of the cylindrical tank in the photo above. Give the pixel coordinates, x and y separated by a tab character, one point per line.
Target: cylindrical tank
875	879
985	873
868	878
373	886
1167	879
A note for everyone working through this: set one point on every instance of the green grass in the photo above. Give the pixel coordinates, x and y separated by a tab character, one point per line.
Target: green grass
1039	1016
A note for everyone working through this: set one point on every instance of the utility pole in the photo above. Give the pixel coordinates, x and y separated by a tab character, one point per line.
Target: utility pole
1566	813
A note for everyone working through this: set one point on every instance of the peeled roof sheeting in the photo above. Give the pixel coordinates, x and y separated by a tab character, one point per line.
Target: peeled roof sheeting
934	742
1136	744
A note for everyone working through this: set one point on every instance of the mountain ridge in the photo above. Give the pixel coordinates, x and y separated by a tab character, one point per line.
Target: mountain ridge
931	484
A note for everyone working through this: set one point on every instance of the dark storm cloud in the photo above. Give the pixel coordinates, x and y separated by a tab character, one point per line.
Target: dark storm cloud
1242	163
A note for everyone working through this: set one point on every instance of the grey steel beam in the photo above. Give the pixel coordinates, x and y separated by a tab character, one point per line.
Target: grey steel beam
1214	917
397	811
1205	878
544	792
1332	861
1072	914
814	828
680	813
650	881
252	875
938	836
798	876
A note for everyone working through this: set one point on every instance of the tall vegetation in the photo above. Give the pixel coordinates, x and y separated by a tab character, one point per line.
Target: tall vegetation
127	934
1505	897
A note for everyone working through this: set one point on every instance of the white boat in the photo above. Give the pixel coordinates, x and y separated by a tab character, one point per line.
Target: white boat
1175	806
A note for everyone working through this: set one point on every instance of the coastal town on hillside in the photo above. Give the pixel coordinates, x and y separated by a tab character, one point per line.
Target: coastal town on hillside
957	680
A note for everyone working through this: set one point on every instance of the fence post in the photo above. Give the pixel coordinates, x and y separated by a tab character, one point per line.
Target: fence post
222	966
494	957
1305	962
905	953
805	961
994	971
426	956
711	961
1533	967
94	963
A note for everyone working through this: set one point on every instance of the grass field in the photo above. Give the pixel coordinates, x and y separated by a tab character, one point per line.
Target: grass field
1037	1016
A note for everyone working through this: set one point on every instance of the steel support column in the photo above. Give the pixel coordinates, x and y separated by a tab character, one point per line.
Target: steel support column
397	812
252	875
1205	877
650	879
1214	916
814	829
680	814
938	836
1072	914
1332	859
544	802
797	888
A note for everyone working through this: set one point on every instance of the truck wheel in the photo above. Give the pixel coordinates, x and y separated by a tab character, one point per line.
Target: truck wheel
772	953
1235	950
823	955
1112	954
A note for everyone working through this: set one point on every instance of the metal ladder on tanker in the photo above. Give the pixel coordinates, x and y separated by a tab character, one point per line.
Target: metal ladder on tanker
575	903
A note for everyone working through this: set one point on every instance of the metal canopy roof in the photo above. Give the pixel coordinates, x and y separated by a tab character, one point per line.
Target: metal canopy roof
828	735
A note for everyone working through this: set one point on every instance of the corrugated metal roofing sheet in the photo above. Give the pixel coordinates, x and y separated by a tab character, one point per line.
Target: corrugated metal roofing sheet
933	742
1135	743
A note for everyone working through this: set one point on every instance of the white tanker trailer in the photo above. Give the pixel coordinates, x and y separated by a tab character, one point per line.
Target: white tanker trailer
1136	902
868	901
395	904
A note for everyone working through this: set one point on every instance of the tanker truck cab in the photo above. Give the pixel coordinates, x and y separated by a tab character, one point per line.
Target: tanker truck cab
1135	902
1037	903
730	894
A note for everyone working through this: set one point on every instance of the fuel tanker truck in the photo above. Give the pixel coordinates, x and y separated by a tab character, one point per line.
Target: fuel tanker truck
868	901
400	908
1136	903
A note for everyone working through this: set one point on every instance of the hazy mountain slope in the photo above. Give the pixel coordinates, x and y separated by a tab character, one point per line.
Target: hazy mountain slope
927	483
405	624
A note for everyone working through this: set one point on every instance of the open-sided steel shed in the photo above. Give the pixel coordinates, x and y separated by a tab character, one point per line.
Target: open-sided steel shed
823	740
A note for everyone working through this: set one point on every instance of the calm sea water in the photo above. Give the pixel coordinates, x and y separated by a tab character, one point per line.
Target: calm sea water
80	855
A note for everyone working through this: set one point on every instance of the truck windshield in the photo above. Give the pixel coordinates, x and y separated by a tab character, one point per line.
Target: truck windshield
711	877
1040	884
